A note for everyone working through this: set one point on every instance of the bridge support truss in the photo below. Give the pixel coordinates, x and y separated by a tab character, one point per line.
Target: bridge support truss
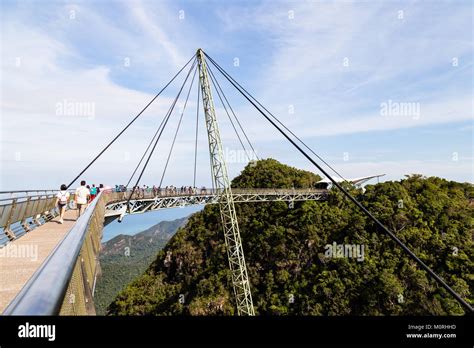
118	201
240	280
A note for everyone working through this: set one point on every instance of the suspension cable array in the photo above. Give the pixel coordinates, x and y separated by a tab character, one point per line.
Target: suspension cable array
227	76
130	123
218	88
177	128
382	227
219	175
167	117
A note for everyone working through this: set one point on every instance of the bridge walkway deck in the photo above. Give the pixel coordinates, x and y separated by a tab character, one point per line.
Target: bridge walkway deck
22	257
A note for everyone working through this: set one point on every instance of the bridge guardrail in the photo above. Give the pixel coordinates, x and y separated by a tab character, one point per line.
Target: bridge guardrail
21	211
148	201
123	195
64	283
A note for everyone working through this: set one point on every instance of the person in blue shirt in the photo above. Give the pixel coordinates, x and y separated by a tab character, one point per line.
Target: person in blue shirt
93	192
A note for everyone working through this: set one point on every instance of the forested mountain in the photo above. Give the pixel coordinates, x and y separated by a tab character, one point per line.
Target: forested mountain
125	257
286	252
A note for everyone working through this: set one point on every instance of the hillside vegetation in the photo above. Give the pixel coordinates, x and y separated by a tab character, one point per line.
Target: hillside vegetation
286	253
124	258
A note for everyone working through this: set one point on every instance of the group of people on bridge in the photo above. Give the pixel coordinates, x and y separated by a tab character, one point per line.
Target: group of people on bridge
141	191
85	194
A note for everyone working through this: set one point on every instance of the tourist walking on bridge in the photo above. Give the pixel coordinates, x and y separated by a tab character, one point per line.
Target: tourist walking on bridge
61	200
93	192
81	198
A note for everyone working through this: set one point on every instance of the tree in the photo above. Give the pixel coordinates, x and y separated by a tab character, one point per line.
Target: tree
288	268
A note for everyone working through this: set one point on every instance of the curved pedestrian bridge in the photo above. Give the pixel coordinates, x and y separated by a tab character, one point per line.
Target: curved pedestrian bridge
51	268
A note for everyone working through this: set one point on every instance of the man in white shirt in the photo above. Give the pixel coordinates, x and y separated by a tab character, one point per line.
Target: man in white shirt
81	197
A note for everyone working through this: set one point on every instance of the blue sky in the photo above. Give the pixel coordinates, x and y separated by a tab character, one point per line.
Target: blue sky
324	68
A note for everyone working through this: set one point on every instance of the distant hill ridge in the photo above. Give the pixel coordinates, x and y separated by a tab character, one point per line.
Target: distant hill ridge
162	231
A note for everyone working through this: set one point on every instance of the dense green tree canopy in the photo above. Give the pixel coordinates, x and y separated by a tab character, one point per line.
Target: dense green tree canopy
286	251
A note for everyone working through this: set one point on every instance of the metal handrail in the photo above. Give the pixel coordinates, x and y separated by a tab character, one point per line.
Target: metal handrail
209	191
237	189
26	197
17	191
45	194
150	195
44	292
20	214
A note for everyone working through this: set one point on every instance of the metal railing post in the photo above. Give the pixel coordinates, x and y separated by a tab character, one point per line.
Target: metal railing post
23	219
11	236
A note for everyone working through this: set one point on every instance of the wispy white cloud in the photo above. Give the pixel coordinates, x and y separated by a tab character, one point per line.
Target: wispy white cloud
37	88
144	18
407	59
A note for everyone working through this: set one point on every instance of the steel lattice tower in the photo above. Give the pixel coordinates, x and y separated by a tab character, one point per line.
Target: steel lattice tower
235	254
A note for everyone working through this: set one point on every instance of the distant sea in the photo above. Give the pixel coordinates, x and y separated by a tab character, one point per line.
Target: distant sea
132	224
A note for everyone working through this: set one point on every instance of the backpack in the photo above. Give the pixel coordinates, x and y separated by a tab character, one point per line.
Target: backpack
63	198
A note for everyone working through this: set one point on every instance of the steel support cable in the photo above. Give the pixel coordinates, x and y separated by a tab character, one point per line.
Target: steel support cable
148	147
233	113
177	128
274	117
146	151
167	117
440	281
228	116
131	122
197	128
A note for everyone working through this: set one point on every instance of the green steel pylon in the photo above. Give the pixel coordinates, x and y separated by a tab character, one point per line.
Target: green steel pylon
235	254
